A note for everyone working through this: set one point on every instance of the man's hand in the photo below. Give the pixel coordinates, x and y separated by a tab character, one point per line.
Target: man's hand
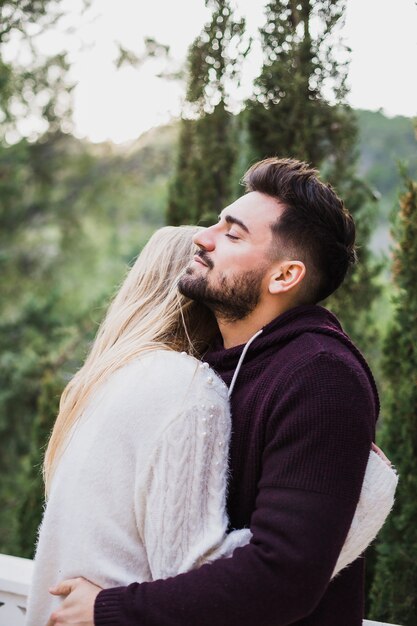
78	607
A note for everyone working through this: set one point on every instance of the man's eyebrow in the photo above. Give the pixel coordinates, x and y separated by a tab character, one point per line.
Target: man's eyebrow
229	219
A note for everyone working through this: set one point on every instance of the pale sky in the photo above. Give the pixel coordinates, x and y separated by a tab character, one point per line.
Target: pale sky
119	105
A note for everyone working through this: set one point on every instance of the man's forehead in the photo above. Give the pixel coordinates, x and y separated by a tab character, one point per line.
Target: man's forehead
254	209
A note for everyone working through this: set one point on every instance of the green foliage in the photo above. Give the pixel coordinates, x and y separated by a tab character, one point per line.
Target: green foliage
38	89
215	154
215	57
29	241
30	349
71	217
29	508
207	147
206	155
394	596
291	115
182	201
17	14
356	302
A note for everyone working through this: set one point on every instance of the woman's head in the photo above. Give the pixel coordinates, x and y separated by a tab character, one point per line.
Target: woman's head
148	307
148	312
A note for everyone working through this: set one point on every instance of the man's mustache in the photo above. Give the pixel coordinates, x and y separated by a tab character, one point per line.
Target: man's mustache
205	258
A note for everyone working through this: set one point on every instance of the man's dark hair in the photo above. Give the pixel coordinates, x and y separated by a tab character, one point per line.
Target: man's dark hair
315	227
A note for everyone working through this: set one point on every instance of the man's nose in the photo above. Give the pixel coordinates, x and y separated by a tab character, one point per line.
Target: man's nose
205	239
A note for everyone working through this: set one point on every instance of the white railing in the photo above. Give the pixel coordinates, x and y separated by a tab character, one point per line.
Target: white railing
366	622
15	576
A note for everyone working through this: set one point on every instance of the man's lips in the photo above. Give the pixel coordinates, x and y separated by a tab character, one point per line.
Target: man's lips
198	259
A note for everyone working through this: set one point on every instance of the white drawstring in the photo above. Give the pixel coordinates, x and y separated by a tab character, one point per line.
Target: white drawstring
242	356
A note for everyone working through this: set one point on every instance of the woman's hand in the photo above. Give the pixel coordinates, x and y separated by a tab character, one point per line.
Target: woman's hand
78	607
381	454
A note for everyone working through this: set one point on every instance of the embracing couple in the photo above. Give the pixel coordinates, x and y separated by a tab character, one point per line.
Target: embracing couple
212	462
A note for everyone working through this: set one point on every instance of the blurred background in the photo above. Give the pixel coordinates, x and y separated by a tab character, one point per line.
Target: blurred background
116	118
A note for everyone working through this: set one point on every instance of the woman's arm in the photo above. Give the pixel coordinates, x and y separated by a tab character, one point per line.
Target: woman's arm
185	519
189	488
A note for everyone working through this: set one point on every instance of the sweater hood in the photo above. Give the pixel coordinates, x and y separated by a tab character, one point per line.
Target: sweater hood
283	329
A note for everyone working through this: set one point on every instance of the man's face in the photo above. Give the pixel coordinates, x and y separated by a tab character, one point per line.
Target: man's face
229	273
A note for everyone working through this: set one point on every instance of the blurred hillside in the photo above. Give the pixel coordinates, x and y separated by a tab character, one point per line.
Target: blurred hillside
384	143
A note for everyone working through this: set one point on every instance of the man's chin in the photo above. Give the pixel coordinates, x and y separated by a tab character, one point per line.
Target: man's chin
193	284
186	284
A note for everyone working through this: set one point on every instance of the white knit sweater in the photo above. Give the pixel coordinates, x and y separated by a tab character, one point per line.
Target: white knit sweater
140	491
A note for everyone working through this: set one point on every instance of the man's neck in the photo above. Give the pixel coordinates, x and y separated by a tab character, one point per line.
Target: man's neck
239	332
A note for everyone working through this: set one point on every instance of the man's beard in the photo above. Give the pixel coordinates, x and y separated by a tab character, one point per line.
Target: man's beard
231	300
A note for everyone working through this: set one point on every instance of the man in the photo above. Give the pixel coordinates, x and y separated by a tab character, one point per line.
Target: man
304	407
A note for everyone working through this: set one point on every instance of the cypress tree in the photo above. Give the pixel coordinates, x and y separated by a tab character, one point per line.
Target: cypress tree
207	147
393	595
290	112
299	110
182	200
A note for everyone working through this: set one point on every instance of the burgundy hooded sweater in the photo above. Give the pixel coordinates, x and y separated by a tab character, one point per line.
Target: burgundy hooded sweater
304	409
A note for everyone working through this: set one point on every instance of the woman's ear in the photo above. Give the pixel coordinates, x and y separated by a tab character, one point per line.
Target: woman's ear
288	275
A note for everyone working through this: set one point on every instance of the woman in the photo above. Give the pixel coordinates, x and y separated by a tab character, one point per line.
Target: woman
136	466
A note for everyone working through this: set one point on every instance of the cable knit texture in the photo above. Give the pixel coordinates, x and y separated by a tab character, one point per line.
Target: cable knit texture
140	492
304	409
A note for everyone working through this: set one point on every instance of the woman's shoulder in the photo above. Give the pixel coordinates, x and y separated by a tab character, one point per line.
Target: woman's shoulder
154	390
166	373
180	368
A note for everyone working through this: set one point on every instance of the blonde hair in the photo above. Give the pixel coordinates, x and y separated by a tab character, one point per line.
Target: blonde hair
148	312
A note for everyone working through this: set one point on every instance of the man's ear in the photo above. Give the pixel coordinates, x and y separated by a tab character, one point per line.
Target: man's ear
286	277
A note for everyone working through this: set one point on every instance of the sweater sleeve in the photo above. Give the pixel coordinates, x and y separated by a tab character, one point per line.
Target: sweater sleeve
185	519
315	455
375	503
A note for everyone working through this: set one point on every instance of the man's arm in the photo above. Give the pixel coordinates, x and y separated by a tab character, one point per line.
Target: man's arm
301	519
281	575
249	588
375	502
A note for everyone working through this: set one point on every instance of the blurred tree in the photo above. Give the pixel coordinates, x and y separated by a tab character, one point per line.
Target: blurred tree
299	110
355	303
29	370
302	72
72	215
207	146
393	595
153	50
68	215
182	200
27	247
36	91
33	86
